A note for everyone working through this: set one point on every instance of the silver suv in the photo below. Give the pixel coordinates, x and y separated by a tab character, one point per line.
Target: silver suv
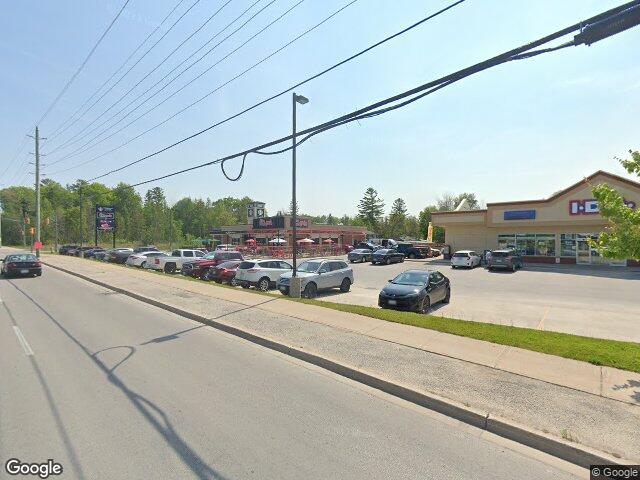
319	274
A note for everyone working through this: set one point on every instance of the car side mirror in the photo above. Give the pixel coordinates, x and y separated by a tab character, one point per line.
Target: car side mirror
390	280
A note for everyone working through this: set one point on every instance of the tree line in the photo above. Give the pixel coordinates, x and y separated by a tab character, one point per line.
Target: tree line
68	215
399	224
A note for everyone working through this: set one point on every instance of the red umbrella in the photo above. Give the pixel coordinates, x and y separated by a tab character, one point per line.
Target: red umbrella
327	240
305	240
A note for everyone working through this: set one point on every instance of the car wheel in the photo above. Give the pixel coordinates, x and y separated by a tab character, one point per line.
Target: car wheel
514	267
453	266
263	284
425	305
311	290
345	286
233	282
490	269
143	265
412	256
217	280
244	285
388	261
447	296
170	268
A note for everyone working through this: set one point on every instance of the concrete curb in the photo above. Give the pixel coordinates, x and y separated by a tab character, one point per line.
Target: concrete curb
556	447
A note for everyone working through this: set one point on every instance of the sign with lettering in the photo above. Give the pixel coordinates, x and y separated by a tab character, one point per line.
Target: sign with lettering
520	215
301	223
268	222
590	207
105	218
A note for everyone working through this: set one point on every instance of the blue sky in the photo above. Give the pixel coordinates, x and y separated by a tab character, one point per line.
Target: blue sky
519	131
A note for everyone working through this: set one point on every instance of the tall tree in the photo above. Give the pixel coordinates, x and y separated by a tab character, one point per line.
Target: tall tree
397	218
448	201
621	240
371	208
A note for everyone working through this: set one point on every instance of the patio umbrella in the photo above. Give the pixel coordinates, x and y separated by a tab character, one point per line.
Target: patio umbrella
278	241
305	240
250	241
327	240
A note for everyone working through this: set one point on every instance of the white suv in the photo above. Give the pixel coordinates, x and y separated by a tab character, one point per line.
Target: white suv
262	274
465	258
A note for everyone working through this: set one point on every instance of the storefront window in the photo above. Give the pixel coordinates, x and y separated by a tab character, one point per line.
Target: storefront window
568	244
505	241
526	244
546	245
543	244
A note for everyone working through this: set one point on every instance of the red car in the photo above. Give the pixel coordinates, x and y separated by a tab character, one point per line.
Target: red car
223	273
198	268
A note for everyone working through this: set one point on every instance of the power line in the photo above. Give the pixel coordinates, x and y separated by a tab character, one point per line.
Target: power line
256	105
62	128
89	144
244	72
180	45
591	30
73	77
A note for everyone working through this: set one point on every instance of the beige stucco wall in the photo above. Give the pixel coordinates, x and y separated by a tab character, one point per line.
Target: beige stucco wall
479	230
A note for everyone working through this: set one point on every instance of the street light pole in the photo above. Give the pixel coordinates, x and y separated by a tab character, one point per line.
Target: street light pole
294	287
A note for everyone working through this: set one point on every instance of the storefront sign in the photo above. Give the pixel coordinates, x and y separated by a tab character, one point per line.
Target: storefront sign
105	218
520	215
300	223
590	207
269	222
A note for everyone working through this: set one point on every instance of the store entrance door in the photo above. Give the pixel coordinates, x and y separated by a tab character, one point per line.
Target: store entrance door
585	255
583	251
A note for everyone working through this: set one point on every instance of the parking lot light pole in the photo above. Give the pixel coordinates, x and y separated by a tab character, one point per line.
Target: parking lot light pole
294	287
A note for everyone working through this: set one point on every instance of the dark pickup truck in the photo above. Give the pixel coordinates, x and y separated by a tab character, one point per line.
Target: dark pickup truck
411	250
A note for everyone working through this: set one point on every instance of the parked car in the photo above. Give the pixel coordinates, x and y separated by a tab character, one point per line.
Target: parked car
465	258
119	255
435	252
415	290
79	251
174	262
506	259
319	274
223	273
198	268
141	258
368	246
104	256
72	251
92	252
262	274
359	255
64	249
387	256
413	250
227	247
21	264
148	248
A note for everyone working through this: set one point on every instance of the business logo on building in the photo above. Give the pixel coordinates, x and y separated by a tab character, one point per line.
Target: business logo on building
300	223
590	207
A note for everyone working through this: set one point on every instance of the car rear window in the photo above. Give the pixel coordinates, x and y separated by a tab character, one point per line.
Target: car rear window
501	254
246	265
21	258
461	255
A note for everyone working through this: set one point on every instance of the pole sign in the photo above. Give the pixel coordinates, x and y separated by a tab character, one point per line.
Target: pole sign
105	218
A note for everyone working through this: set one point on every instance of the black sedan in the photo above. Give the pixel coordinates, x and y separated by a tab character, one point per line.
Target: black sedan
359	255
119	255
23	264
385	256
415	290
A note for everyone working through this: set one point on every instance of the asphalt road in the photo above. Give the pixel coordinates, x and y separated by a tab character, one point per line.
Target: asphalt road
591	301
113	388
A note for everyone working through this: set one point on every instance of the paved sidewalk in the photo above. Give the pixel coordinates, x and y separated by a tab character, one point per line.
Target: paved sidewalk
598	407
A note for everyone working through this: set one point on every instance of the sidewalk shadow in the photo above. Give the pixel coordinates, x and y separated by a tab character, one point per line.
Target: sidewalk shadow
630	384
144	406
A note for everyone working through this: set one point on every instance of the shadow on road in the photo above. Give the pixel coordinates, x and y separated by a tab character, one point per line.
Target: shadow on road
144	406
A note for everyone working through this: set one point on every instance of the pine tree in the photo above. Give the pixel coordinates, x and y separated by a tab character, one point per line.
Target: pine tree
371	208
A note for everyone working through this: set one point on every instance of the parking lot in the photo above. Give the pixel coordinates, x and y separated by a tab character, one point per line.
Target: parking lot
598	302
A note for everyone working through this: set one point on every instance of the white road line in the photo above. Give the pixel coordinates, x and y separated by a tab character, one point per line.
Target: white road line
23	341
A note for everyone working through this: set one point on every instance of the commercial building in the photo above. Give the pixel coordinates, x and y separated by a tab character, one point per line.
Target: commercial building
552	230
265	229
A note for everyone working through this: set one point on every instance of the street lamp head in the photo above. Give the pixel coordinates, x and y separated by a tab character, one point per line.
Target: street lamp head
301	100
